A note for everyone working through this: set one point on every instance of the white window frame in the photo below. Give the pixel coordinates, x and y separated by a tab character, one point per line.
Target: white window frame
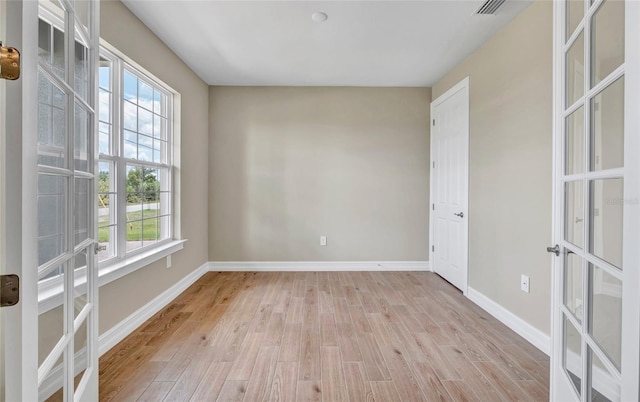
50	291
118	67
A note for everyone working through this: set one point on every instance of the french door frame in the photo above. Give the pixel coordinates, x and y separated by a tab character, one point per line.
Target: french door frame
24	375
21	358
630	366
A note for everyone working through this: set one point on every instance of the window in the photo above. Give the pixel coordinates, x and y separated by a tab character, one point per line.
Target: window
135	217
134	166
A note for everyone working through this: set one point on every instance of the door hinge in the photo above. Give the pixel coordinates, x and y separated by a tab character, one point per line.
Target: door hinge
9	62
434	165
9	290
433	248
433	207
434	122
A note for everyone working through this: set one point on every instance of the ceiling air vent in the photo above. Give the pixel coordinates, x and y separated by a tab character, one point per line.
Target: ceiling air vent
490	7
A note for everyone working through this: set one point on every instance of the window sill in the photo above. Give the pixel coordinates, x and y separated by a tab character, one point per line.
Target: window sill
50	295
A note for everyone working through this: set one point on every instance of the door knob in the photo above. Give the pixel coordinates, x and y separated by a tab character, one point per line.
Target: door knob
461	214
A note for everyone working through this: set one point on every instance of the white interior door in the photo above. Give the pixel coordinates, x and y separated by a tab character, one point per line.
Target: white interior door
596	307
49	202
450	184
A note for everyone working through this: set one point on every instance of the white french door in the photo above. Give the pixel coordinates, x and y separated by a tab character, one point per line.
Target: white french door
49	199
450	185
596	307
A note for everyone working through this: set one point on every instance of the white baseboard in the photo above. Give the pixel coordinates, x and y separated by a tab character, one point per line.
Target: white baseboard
121	330
536	337
293	266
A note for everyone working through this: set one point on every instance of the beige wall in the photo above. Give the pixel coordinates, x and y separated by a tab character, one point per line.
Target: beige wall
122	297
123	30
510	163
288	165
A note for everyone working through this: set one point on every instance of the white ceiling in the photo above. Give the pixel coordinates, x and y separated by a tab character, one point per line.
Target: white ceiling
363	43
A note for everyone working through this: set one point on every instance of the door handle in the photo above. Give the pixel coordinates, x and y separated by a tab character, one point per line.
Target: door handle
461	214
555	250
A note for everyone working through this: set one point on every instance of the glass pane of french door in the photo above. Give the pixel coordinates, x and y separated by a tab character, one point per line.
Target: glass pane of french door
67	43
593	184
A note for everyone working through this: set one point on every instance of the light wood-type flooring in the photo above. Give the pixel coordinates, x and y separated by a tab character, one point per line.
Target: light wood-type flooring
323	336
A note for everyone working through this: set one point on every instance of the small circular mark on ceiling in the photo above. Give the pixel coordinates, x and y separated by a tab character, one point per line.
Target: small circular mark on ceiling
319	16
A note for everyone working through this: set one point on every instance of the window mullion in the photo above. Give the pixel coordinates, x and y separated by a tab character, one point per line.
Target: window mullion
120	167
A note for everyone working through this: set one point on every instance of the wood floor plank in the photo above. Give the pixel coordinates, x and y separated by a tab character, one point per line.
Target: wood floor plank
384	391
534	390
359	319
170	326
309	359
229	343
334	387
348	342
341	310
478	382
337	290
261	319
351	295
408	319
385	288
445	370
283	386
273	289
496	353
159	320
281	304
369	302
191	377
460	391
290	348
328	331
212	381
402	375
299	287
295	310
413	349
347	336
309	391
380	329
156	391
374	363
311	295
179	362
435	331
429	383
259	386
501	382
137	384
243	365
357	383
232	391
275	330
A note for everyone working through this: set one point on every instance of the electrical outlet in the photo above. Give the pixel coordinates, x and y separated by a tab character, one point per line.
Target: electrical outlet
169	261
524	283
323	240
